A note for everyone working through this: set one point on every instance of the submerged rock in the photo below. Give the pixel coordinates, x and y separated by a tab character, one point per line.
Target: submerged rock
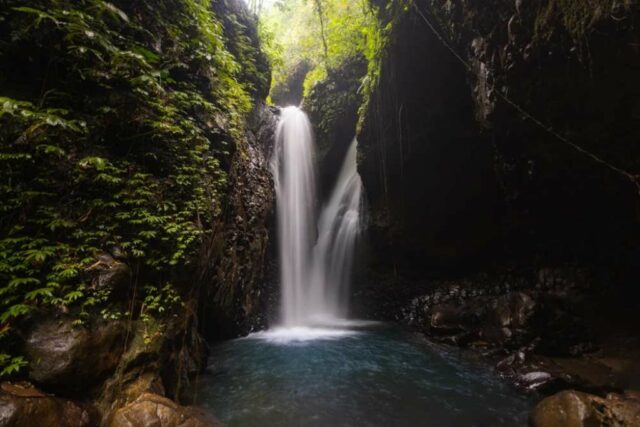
535	380
576	409
152	410
64	356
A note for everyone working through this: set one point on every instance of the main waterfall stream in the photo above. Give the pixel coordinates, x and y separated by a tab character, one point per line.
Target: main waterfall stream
318	369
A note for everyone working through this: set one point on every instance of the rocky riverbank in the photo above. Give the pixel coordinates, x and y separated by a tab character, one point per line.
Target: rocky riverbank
551	332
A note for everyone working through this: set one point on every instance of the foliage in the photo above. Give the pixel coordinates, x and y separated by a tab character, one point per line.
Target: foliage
241	33
117	121
156	303
292	34
378	44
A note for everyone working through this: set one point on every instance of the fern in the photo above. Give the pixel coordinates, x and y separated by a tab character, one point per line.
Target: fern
139	163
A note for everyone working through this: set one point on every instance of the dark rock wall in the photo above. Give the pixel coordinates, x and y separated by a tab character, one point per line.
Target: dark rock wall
291	91
237	258
489	229
457	176
426	166
332	106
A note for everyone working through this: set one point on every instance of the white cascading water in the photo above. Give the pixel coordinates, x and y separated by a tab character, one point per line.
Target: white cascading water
315	259
337	232
294	176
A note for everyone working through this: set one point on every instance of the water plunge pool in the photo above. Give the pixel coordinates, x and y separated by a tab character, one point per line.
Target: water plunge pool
361	375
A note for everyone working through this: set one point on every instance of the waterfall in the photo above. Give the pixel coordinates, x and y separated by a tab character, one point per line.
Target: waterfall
337	231
315	257
294	175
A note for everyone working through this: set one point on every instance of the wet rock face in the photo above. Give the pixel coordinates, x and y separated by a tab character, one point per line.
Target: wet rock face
67	357
425	164
25	406
543	60
152	410
290	92
496	321
332	106
237	256
575	409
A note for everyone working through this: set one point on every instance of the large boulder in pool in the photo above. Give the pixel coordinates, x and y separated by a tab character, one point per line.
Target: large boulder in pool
64	356
152	410
576	409
22	405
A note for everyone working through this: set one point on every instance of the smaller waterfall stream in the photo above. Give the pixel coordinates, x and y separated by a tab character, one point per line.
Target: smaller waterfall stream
315	258
337	232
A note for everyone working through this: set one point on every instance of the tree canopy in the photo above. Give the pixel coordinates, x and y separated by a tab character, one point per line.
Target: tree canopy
319	33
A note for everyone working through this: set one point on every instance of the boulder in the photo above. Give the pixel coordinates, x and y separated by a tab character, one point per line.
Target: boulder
160	358
152	410
67	357
507	318
515	309
110	273
576	409
446	317
22	405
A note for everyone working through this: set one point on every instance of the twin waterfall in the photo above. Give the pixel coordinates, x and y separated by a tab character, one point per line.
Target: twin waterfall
316	255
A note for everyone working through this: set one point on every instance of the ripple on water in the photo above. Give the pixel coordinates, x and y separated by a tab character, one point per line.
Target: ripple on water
300	334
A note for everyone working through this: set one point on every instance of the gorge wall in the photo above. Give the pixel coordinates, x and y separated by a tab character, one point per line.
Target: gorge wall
444	155
136	200
499	152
